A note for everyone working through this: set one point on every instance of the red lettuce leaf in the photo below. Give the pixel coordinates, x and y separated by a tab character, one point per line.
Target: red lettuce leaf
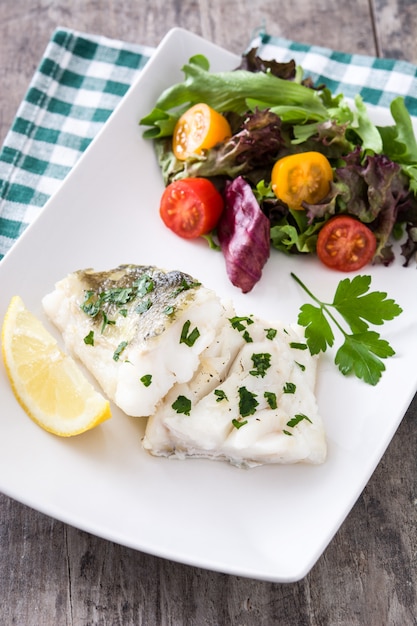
244	235
376	192
251	62
253	148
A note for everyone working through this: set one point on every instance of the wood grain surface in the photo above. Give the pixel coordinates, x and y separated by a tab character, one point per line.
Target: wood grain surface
51	573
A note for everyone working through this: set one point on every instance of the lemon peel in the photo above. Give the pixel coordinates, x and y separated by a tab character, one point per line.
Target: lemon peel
47	382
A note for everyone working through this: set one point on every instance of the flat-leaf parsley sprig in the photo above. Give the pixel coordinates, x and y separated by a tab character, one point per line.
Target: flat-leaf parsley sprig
362	349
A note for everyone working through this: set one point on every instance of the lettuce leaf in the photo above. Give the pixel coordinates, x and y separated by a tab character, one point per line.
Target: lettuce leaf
241	90
254	146
243	233
399	141
274	112
374	191
236	91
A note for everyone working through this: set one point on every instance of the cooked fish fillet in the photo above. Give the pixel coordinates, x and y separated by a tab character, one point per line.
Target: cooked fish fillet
261	410
138	330
212	384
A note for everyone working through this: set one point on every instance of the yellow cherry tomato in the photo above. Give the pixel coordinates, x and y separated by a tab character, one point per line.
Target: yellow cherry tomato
198	129
303	177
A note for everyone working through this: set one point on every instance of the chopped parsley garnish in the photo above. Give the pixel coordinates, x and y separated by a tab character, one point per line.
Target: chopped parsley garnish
237	322
118	295
115	299
182	405
91	306
247	402
122	345
261	363
297	419
146	380
240	324
238	424
298	346
189	338
289	388
106	322
362	348
89	339
271	398
220	395
301	366
184	286
144	285
271	333
143	306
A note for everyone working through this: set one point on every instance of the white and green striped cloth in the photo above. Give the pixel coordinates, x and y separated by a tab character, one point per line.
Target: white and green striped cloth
82	77
79	81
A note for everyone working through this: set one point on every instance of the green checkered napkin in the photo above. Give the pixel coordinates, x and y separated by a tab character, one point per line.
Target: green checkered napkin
377	80
79	82
81	79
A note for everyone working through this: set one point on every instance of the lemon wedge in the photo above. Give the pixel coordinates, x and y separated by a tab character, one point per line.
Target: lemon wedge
48	383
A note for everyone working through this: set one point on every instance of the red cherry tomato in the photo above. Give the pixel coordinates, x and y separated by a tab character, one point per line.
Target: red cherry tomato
345	244
191	207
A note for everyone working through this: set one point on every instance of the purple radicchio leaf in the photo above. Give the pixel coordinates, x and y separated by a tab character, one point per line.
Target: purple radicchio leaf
244	235
251	62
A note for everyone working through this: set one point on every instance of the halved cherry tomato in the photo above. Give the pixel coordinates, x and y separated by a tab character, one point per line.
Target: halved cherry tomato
303	177
345	244
198	129
191	207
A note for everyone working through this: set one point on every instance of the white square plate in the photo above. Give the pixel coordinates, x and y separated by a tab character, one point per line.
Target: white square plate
270	523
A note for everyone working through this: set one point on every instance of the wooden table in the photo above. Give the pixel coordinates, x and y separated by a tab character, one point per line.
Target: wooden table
51	573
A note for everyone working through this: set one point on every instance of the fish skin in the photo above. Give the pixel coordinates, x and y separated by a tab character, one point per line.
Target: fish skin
154	321
153	337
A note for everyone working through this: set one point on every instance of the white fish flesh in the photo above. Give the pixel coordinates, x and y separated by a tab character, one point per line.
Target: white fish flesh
212	384
137	329
261	410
